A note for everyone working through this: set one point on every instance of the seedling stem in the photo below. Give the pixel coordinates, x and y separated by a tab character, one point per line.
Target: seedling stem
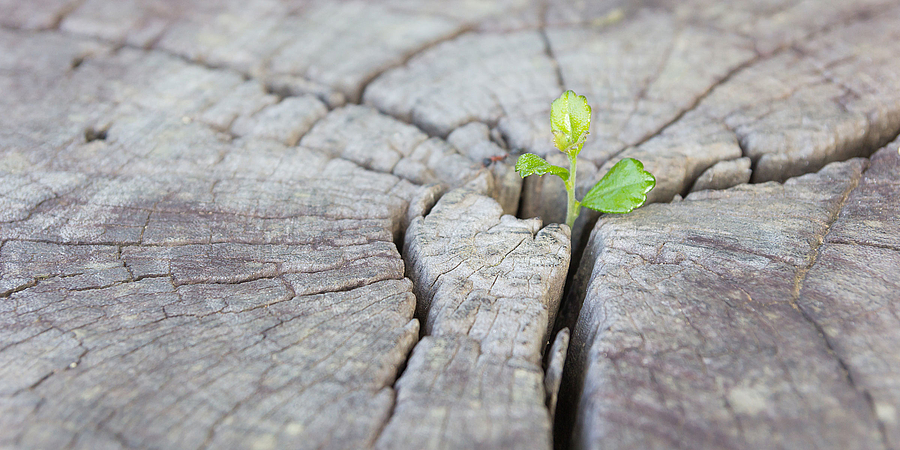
621	190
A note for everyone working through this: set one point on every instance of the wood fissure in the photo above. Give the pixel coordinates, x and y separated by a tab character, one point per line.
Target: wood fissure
215	219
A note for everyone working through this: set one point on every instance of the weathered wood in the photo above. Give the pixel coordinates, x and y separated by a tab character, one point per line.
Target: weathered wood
680	86
691	333
198	227
770	25
724	174
329	49
286	122
185	312
791	112
654	67
244	102
168	237
499	15
505	80
852	291
379	142
488	287
554	368
205	296
642	85
164	285
477	141
177	115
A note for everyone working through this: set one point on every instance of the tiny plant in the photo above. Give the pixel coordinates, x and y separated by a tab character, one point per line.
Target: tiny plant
621	190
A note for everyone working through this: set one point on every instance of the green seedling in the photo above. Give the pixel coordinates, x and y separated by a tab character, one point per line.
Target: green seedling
621	190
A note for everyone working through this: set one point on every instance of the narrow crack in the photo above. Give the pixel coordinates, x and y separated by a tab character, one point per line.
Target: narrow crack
694	105
548	50
796	292
65	11
859	17
20	288
405	60
798	281
394	389
40	381
652	80
882	246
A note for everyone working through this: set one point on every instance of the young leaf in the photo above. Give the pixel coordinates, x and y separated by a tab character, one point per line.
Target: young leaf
570	120
531	164
622	189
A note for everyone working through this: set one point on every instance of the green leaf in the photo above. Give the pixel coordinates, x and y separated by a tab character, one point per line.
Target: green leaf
622	189
570	120
531	164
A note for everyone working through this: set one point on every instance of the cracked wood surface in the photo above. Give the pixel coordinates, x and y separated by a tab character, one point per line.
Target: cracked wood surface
180	312
198	221
158	114
175	271
694	331
329	49
678	85
379	142
851	291
488	286
828	98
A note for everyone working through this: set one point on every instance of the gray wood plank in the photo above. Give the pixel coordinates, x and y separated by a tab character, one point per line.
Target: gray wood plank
204	319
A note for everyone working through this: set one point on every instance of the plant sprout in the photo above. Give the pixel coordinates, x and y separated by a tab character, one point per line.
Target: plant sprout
621	190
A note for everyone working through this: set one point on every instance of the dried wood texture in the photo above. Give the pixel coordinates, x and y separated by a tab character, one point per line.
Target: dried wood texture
188	260
488	288
791	112
693	332
852	291
379	142
678	85
165	285
198	222
329	49
179	312
137	112
724	174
